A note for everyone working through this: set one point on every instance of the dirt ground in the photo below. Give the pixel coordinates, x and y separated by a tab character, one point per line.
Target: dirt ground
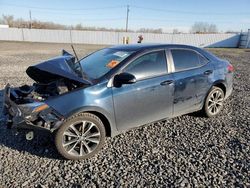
187	151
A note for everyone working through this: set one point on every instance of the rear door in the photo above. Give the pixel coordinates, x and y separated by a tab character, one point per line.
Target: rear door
204	79
191	80
150	98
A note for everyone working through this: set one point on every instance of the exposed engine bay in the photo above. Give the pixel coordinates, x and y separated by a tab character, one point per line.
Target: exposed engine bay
39	92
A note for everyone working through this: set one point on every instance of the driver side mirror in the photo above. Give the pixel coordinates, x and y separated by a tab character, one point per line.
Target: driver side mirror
124	78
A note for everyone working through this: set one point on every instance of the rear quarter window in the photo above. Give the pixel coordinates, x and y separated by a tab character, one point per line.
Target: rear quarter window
203	60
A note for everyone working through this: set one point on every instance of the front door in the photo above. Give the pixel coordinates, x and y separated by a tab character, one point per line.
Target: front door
150	98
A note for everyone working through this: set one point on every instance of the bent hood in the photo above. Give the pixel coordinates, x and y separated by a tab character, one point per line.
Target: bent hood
55	68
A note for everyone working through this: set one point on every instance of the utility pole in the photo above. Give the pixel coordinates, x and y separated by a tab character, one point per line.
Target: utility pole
127	18
30	20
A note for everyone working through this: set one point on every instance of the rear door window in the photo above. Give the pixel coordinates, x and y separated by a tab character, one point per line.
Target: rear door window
185	59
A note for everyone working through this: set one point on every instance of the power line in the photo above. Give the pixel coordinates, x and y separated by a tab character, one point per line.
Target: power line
174	20
60	13
103	19
56	11
83	20
122	6
63	9
187	12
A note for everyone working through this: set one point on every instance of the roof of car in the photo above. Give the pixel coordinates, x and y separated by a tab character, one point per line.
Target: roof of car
136	47
145	46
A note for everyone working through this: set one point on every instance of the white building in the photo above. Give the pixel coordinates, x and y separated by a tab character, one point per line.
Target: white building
4	26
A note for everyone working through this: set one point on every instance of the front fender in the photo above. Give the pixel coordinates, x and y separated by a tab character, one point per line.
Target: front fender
97	98
107	115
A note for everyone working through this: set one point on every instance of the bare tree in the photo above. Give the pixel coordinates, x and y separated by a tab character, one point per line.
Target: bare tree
7	19
212	28
36	24
232	31
175	31
147	30
78	27
203	27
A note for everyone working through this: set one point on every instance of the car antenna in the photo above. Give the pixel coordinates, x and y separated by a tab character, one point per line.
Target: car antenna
74	52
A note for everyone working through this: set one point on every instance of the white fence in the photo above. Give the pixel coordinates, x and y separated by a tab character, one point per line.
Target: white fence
111	38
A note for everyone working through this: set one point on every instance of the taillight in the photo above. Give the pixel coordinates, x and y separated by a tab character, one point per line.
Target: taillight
230	68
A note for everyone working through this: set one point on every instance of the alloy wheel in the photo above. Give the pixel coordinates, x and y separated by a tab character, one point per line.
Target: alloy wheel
81	138
215	102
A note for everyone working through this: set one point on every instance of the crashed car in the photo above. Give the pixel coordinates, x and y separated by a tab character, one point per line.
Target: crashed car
116	89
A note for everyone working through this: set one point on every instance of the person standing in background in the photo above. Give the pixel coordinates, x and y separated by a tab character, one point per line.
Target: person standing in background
140	38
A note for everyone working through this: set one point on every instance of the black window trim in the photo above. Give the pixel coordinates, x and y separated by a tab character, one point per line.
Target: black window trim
187	49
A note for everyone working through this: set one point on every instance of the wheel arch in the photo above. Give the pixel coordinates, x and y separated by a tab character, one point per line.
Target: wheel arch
105	121
109	125
217	83
220	84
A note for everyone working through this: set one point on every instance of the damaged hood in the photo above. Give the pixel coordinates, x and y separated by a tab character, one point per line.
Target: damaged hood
56	68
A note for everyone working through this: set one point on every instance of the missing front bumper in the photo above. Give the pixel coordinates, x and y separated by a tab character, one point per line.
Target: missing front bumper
23	116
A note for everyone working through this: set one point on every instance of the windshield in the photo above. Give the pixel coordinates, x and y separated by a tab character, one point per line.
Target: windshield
99	63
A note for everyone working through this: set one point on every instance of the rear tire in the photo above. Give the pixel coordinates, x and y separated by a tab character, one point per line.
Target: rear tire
214	102
80	137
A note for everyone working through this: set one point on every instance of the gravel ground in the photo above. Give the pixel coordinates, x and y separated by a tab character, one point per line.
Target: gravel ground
185	151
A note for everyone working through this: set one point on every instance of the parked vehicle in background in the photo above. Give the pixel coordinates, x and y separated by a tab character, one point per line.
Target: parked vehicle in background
116	89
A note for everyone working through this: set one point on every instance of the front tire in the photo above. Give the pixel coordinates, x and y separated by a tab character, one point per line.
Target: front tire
214	102
80	137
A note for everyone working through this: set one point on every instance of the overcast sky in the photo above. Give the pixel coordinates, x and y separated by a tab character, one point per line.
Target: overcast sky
166	14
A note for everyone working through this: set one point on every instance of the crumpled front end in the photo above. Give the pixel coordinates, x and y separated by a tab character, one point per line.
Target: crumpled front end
33	114
26	107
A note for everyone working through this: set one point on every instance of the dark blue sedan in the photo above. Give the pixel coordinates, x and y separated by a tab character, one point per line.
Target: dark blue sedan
116	89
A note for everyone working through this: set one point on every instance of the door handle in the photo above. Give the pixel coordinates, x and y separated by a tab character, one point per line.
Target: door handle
167	82
208	72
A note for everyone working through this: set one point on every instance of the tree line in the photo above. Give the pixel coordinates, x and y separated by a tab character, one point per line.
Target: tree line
198	27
